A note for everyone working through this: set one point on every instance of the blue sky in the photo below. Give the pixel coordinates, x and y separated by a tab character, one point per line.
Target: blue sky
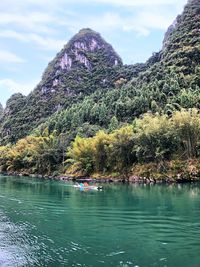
33	31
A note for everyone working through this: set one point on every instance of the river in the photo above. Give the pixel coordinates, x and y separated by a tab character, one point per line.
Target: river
51	223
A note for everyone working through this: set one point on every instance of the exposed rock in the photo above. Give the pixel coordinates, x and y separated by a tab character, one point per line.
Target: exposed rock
65	62
86	63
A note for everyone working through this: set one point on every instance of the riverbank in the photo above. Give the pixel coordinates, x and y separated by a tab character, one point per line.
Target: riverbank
175	171
166	172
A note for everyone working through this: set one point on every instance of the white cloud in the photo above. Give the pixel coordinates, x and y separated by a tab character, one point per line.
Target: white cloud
155	19
40	27
11	86
14	35
57	3
46	43
147	20
132	3
19	4
139	16
33	17
34	21
9	57
142	23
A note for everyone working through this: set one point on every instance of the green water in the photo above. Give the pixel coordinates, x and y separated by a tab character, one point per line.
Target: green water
50	223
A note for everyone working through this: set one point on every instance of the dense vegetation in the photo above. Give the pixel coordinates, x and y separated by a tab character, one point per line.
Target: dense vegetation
99	109
151	139
169	81
87	114
86	64
35	154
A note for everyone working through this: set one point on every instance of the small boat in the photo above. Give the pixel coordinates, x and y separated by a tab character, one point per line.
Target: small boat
88	187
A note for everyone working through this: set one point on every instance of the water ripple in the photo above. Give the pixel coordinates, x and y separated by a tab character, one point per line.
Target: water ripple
51	224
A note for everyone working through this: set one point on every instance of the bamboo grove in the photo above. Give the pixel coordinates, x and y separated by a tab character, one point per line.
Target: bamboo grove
152	140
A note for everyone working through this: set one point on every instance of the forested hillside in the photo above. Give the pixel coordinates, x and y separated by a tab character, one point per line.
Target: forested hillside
171	81
117	116
86	64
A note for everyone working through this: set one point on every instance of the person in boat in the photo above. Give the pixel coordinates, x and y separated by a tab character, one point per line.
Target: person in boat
86	184
81	185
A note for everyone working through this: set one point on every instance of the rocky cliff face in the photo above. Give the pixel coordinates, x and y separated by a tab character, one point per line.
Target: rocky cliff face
81	66
85	64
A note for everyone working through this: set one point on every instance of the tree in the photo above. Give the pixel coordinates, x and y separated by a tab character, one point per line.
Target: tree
101	143
114	124
80	155
155	138
122	149
187	126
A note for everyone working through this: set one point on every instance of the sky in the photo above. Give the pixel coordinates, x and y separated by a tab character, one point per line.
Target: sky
32	32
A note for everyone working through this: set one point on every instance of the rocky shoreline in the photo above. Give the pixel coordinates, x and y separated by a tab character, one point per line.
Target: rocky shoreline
131	179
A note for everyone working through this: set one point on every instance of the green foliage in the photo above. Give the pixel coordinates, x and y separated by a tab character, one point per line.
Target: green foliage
187	125
81	155
103	153
86	64
87	97
122	154
95	92
114	124
102	106
181	45
35	154
153	138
